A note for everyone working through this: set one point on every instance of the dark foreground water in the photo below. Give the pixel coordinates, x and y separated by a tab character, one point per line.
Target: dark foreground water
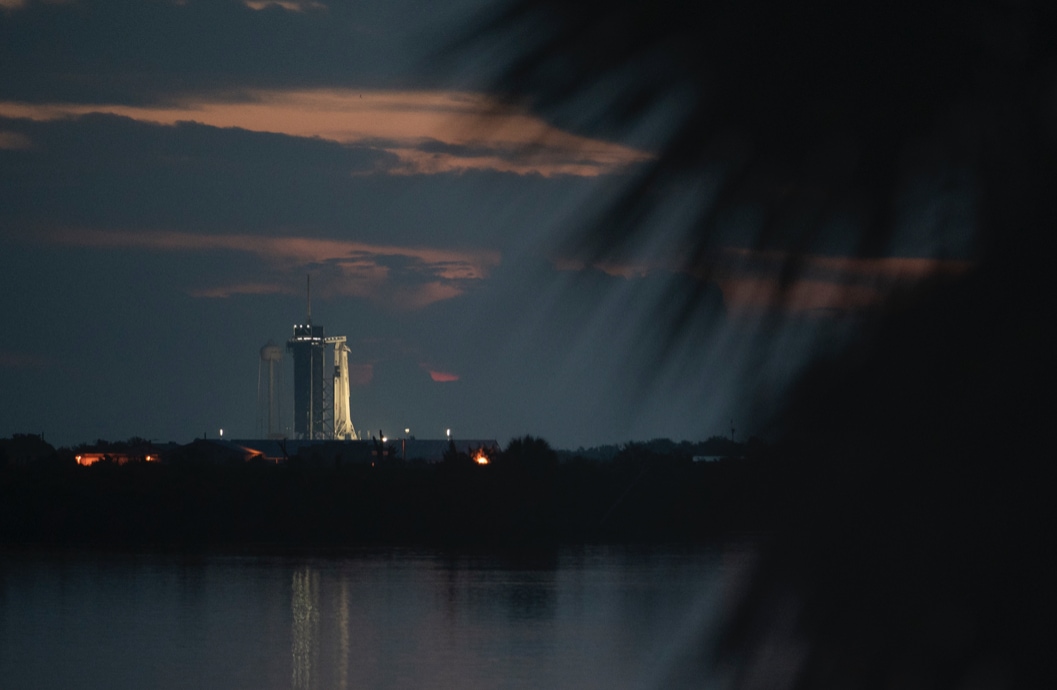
594	617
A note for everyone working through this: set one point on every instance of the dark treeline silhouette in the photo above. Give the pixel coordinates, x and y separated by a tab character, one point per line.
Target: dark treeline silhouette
916	550
715	446
26	449
523	495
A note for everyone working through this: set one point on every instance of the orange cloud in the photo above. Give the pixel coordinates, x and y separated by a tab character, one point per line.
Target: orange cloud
288	5
454	264
417	162
749	278
888	268
443	376
500	138
617	269
802	295
242	289
400	277
13	141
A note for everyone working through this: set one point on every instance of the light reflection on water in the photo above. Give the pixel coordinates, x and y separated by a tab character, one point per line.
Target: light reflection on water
596	617
305	605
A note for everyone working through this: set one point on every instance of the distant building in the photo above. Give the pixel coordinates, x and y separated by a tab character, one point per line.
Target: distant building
86	459
121	453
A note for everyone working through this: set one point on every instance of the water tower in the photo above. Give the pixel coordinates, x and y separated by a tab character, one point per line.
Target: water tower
269	390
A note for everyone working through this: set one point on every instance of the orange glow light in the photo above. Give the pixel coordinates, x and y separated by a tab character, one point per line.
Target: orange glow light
481	458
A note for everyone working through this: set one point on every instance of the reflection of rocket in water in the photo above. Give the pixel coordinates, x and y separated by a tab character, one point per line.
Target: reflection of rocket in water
343	636
305	633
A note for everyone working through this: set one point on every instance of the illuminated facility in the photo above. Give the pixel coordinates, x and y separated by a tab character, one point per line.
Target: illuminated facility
321	406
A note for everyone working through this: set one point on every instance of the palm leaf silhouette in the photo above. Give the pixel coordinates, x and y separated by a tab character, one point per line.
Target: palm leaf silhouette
803	110
915	542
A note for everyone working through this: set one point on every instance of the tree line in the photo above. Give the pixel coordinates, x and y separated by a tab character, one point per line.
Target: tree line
526	492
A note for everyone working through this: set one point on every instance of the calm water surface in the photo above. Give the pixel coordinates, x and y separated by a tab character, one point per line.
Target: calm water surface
596	617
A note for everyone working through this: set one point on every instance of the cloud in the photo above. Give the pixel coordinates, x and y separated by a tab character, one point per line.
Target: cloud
820	296
477	131
226	291
288	5
751	279
21	360
407	278
418	162
890	268
107	171
14	141
442	376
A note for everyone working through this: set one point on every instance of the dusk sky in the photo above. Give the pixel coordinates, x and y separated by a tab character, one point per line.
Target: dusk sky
170	171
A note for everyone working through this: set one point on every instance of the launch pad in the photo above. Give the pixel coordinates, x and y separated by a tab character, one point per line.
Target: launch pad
321	391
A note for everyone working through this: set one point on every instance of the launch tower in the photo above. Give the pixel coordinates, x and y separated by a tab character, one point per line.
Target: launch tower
321	407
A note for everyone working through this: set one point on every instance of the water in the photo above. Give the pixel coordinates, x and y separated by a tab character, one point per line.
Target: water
596	617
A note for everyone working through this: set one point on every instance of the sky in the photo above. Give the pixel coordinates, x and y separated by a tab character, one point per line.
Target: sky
172	170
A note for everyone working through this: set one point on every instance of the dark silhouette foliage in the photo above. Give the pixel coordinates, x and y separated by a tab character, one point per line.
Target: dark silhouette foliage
27	450
201	500
913	540
802	111
530	454
453	457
